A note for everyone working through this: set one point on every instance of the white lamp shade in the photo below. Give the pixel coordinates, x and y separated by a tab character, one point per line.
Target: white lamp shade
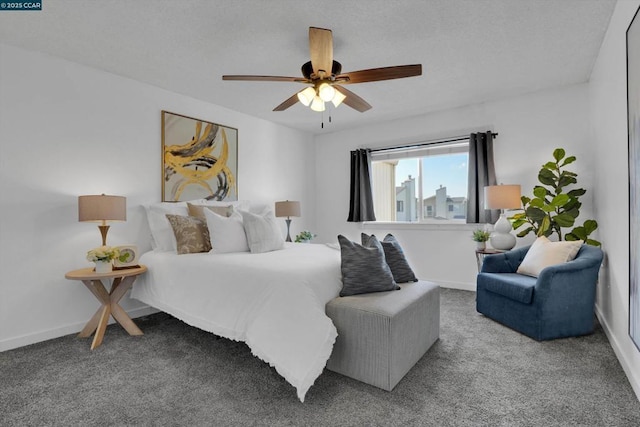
338	98
102	208
326	92
287	208
502	197
306	96
317	104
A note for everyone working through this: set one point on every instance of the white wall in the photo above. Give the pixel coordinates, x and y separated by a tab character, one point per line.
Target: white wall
608	101
530	127
68	130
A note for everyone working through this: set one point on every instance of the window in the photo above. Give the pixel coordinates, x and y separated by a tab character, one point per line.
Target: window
423	183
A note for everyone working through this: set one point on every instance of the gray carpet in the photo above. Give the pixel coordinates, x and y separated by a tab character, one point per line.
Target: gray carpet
478	374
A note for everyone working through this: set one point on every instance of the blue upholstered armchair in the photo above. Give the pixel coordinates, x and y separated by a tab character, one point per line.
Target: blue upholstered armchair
559	303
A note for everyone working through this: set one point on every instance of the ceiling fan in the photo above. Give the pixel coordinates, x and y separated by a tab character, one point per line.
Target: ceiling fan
325	77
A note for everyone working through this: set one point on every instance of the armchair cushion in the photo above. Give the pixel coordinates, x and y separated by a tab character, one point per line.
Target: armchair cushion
514	286
544	253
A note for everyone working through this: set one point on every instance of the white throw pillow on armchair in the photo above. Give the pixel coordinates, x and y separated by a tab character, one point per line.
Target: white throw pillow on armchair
544	253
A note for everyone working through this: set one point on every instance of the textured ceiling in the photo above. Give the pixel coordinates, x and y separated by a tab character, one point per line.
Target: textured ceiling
471	50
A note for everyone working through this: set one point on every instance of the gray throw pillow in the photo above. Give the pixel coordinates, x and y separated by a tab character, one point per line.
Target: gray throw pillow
364	269
394	255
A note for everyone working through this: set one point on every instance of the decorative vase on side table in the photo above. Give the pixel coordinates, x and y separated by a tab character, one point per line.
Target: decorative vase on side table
103	267
103	258
480	236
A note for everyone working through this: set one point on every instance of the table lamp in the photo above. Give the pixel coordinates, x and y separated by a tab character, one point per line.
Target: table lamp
288	209
101	209
502	197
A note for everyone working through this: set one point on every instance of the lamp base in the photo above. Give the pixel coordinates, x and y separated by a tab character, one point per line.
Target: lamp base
501	238
288	221
104	229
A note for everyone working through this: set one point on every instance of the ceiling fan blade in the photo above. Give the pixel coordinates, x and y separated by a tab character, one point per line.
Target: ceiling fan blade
321	50
377	74
353	100
266	78
288	103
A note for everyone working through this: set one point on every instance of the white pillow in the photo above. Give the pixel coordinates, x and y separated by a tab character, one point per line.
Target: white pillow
263	233
256	208
161	231
226	233
544	253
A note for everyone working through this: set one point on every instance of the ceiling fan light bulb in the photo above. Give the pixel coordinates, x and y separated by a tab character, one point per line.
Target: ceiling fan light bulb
326	92
338	98
317	104
306	96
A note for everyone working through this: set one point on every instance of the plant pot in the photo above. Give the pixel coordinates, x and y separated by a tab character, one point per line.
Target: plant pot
481	246
103	267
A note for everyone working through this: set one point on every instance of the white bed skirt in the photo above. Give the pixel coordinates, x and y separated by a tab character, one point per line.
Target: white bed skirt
275	301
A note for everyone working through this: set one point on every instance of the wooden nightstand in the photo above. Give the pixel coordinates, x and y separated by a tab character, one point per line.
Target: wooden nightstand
122	281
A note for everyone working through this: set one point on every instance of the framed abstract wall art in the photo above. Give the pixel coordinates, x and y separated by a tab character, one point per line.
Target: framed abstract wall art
199	159
633	122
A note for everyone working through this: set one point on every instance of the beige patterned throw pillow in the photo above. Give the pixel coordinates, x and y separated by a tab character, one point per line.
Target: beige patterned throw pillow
192	234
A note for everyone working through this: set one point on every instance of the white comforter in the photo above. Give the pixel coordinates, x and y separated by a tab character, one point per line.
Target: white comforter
272	301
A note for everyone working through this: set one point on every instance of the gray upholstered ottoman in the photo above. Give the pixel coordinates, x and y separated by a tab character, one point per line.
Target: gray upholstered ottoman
382	335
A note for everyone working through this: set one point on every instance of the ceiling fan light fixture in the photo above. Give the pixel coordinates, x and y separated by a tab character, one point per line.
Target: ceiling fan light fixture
324	77
338	98
306	96
326	92
317	104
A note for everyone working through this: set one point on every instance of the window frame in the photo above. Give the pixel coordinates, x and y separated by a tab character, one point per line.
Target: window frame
415	151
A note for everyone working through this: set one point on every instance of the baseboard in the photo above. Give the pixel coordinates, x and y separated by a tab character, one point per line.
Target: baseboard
631	376
61	331
455	285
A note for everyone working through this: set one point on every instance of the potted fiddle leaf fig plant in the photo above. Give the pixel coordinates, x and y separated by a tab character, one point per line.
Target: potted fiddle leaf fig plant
552	208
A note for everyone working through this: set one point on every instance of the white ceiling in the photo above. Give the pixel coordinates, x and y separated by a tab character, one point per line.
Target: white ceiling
471	50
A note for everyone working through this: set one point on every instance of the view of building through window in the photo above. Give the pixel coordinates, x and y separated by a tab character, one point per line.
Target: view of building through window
430	187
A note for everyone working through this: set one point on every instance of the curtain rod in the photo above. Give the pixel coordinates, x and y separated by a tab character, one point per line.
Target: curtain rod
426	143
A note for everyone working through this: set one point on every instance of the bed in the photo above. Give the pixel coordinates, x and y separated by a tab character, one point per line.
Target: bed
273	301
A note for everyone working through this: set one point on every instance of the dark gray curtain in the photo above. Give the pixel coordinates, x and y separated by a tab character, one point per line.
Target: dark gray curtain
482	172
361	199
